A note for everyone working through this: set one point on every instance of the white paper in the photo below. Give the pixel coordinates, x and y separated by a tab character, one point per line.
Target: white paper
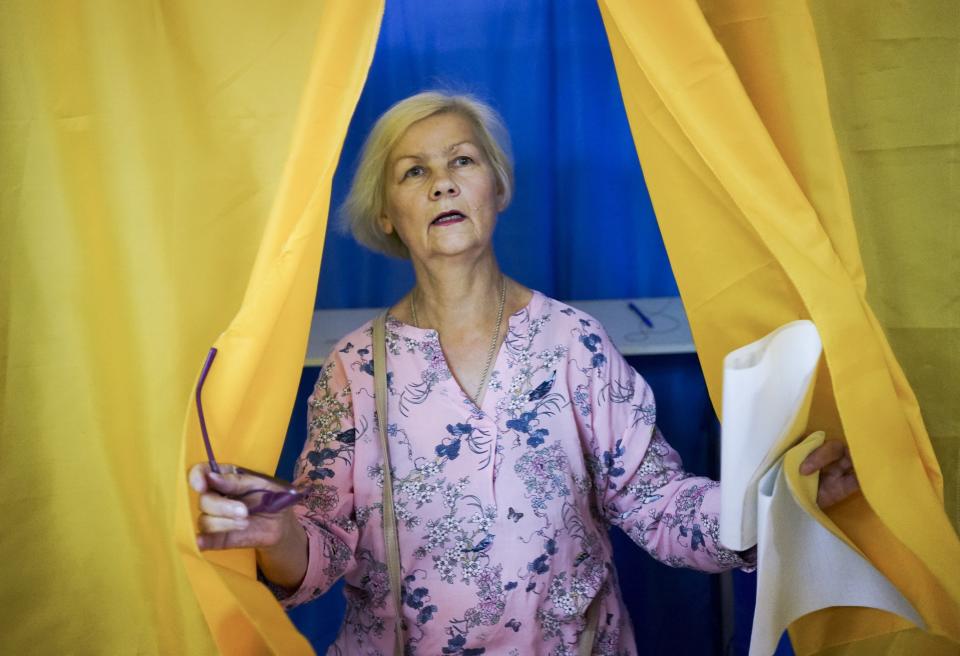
803	567
767	387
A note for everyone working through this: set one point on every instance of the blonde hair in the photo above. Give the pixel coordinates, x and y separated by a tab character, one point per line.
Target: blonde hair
365	202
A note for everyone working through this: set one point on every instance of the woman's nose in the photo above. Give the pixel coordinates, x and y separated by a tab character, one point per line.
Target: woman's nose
444	186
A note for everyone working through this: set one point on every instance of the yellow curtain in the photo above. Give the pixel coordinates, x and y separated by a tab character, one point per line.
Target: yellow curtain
141	148
731	117
894	87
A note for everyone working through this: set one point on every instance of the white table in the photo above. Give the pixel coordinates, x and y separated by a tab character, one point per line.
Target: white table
670	332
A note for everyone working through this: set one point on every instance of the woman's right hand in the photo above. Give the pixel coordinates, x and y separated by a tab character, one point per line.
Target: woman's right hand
226	523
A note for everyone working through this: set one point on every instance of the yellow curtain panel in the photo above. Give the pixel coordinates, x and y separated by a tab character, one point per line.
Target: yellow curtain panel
894	87
142	147
731	114
249	394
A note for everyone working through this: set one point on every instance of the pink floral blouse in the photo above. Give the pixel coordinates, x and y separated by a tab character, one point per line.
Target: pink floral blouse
503	510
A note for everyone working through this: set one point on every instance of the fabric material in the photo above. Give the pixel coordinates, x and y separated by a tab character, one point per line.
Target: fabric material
751	200
142	146
893	78
673	610
580	226
894	88
249	394
502	509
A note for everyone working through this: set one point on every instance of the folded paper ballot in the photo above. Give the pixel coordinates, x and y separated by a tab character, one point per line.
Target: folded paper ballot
767	387
804	562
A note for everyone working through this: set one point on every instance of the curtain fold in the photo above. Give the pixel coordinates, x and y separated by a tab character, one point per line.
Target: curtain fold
902	70
730	116
141	147
251	389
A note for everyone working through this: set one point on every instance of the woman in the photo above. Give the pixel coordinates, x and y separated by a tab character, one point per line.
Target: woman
517	433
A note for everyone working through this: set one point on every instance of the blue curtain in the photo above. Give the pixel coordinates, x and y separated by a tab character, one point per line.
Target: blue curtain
580	227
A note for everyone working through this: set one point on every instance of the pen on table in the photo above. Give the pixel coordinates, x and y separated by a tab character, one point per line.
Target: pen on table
640	314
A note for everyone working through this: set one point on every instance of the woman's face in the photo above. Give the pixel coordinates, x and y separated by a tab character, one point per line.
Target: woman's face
441	192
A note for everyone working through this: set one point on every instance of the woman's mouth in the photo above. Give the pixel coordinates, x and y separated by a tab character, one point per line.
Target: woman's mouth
448	218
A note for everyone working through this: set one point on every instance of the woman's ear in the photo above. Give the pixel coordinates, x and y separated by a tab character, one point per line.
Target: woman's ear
385	224
501	197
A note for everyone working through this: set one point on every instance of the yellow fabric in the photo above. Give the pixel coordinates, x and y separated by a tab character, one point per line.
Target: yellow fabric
729	111
901	69
249	392
142	146
908	642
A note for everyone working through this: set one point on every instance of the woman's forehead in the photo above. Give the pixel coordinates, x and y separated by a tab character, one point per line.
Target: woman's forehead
439	134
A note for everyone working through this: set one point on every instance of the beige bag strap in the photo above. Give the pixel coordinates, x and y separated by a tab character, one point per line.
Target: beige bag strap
389	517
589	635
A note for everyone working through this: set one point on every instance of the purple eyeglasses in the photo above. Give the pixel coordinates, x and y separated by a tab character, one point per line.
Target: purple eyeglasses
271	501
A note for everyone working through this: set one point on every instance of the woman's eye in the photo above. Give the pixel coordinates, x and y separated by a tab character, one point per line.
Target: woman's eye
414	172
463	160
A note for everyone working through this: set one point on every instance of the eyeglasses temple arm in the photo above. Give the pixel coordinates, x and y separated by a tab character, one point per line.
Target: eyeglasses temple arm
214	467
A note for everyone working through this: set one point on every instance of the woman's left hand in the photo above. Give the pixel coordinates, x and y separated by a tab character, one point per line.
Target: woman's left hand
838	480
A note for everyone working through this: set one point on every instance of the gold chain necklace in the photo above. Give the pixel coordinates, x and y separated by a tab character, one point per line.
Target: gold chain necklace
493	342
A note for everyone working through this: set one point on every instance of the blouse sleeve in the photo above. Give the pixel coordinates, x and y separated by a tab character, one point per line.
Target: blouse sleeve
325	470
642	487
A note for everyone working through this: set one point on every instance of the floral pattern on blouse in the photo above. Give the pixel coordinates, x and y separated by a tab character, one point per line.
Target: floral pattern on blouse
502	509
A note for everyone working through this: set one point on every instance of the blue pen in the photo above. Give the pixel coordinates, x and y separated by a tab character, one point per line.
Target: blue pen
640	314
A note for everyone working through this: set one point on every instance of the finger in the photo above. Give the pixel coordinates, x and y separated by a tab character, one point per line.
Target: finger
259	533
228	540
823	455
219	506
234	481
829	452
197	477
836	489
834	469
839	467
213	524
229	483
213	541
849	484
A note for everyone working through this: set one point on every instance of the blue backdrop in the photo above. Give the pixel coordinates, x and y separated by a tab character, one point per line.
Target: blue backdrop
580	227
